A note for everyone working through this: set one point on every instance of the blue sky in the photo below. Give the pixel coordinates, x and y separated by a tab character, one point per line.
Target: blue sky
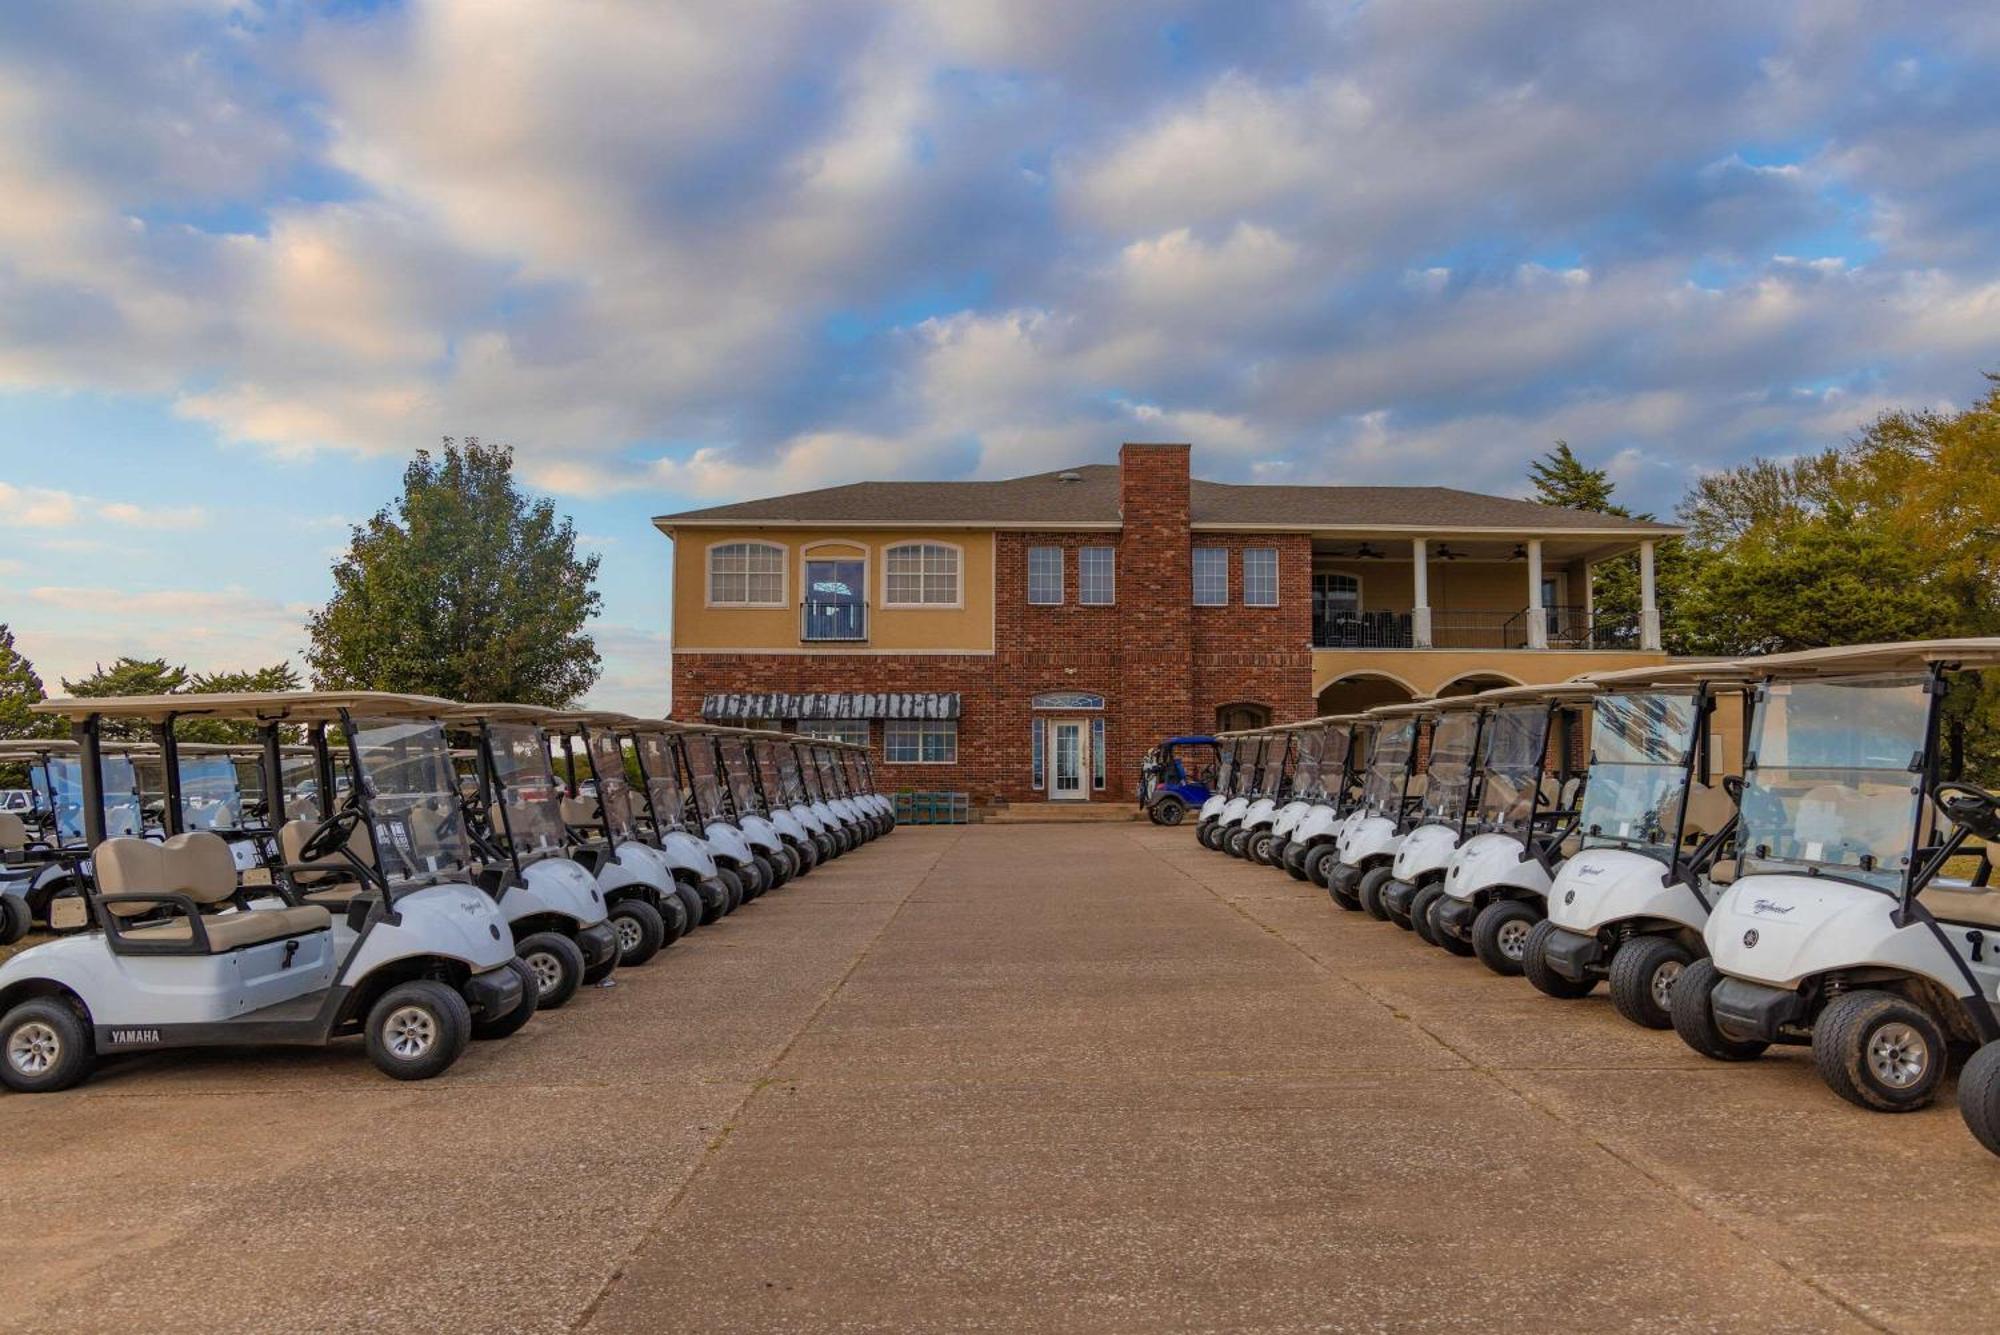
253	255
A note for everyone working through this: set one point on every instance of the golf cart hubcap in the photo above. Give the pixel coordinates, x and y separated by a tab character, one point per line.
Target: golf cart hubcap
410	1032
1663	983
1513	939
34	1048
548	973
628	934
1898	1055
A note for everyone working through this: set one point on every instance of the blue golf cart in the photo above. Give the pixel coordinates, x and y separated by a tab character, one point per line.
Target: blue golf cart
1176	775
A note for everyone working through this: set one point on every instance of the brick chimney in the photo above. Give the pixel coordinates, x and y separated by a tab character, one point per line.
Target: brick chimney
1156	592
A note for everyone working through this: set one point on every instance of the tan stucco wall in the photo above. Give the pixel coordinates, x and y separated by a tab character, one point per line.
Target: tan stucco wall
967	628
1426	671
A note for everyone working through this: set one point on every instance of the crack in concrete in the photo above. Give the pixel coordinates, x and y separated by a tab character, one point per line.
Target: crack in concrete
757	1085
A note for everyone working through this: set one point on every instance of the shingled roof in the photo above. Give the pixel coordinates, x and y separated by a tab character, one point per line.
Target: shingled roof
1090	499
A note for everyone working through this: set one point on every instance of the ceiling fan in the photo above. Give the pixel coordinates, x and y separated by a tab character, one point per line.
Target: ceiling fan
1520	552
1445	553
1362	553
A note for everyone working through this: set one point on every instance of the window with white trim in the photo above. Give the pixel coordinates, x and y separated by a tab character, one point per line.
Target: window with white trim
1096	576
853	730
1211	577
1045	576
915	741
746	574
921	574
1260	576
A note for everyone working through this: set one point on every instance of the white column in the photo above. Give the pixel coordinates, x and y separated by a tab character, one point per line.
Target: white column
1538	621
1420	612
1649	611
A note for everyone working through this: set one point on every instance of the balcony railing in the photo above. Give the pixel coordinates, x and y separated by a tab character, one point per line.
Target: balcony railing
1472	628
821	621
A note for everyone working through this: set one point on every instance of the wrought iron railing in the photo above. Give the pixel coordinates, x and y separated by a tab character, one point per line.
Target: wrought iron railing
1472	628
1344	628
837	621
1475	628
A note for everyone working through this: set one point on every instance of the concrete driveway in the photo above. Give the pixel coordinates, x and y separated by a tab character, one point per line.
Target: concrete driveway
1006	1078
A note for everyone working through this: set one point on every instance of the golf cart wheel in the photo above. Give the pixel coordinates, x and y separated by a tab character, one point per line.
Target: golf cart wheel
1203	833
1451	944
1235	840
44	1046
1369	893
1500	935
675	917
732	889
1694	1017
1294	861
801	856
1643	973
1257	848
1420	913
1167	810
1320	861
502	1025
14	919
557	964
416	1030
1979	1096
1535	965
1879	1050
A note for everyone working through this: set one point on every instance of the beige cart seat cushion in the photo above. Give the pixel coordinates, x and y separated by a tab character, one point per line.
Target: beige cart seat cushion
196	864
579	811
292	841
1708	810
247	927
1969	904
13	832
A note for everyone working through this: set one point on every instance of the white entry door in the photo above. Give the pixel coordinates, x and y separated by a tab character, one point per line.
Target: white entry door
1069	759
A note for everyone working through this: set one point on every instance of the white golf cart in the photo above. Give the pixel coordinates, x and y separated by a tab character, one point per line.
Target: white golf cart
1260	821
1519	826
45	876
1316	841
861	782
1230	835
819	752
554	906
1320	781
1390	796
180	958
784	790
1230	749
729	843
1424	851
1842	929
1657	815
747	809
860	809
839	838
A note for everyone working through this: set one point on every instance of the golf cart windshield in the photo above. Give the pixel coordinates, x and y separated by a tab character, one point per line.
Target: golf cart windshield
1382	790
1835	778
210	798
829	774
1308	757
702	773
121	797
301	780
412	796
780	769
1639	750
614	793
1225	767
736	768
856	763
663	779
1449	774
530	802
1511	747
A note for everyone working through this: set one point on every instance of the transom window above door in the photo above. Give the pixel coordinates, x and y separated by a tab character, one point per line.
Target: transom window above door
746	574
921	574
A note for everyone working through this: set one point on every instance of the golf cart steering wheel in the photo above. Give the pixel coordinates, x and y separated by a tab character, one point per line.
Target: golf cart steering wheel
331	836
1969	807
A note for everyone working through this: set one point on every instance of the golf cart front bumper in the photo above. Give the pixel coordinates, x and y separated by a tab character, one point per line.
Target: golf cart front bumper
1455	917
1754	1011
494	993
1573	955
598	942
1397	897
1344	879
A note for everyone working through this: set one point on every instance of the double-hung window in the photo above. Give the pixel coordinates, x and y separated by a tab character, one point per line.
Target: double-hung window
1260	577
1211	577
920	741
1097	576
1045	576
746	574
921	574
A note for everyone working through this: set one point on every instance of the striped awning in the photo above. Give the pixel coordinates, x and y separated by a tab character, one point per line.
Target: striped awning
739	706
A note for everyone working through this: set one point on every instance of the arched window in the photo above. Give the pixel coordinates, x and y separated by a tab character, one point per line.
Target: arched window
1242	717
746	574
921	574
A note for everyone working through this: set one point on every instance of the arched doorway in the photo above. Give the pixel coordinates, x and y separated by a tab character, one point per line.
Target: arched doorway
1361	691
1241	716
1472	683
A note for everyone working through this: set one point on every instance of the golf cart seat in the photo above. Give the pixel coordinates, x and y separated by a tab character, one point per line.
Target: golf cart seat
13	833
1978	905
579	811
196	864
1709	808
337	885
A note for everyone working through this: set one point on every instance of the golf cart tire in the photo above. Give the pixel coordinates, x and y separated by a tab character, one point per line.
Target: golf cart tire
511	1022
1369	893
641	931
565	961
1843	1034
75	1053
1634	970
1257	848
1487	928
1420	914
1203	833
1694	1017
14	919
1979	1096
450	1018
1167	810
1535	967
732	890
1321	859
1449	943
1237	842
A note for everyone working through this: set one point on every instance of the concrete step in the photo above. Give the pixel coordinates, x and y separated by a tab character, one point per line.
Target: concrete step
1064	813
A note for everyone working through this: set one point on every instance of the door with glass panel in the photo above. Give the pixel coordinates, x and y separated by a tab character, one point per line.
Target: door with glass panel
834	607
1069	759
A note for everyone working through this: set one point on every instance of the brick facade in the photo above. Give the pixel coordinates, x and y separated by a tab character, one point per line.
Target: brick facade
1163	665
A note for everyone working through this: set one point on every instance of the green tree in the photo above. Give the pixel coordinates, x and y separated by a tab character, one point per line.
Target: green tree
277	677
20	686
1561	479
129	676
464	588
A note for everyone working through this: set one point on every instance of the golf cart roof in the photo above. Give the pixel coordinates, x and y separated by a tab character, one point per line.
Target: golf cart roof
1683	672
1404	709
1903	656
1554	690
1328	720
1451	704
494	711
259	706
609	718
